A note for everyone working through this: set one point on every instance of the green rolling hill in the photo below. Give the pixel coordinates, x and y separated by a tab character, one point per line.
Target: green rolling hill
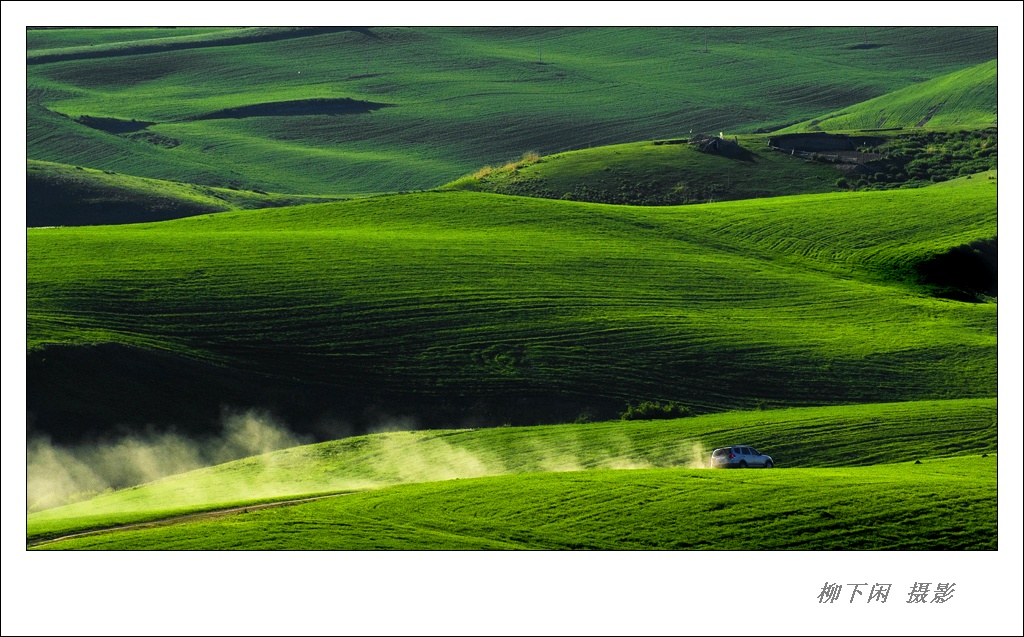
945	505
880	440
963	99
62	195
663	172
472	308
370	110
897	131
220	223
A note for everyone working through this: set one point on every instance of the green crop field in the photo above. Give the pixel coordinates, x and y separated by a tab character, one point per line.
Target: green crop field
474	308
392	109
962	99
62	195
947	504
807	438
365	288
665	172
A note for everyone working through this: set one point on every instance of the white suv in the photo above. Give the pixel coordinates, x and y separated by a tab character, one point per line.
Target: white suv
741	457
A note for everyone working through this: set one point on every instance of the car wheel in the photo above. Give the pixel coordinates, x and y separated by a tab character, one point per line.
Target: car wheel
743	464
769	464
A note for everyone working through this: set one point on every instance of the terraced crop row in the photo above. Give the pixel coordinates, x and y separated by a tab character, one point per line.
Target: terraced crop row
463	299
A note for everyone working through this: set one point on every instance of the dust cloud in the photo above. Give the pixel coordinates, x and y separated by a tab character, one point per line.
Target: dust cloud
397	452
699	457
58	475
429	456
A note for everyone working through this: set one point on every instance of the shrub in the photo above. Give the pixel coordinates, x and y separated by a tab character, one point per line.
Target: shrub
529	158
512	166
651	410
585	416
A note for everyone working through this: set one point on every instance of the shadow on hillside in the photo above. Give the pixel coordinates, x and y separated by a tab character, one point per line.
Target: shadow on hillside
316	106
87	393
967	272
50	201
113	125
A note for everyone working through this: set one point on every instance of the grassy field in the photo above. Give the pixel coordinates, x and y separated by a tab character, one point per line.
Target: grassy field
59	45
471	308
962	99
55	39
816	437
955	135
454	99
221	231
940	505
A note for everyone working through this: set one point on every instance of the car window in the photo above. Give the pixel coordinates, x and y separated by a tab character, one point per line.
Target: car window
746	450
720	452
754	452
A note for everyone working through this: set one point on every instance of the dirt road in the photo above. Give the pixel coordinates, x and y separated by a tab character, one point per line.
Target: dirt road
179	519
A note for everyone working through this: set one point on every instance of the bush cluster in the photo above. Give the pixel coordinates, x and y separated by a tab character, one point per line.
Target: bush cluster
512	166
651	410
918	159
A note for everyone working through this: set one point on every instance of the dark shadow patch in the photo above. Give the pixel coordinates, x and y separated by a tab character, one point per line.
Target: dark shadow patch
316	106
965	273
864	47
827	147
113	125
81	393
57	200
821	142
